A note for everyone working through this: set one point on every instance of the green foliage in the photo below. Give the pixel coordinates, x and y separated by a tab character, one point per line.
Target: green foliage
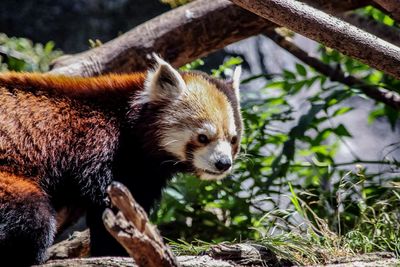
20	54
192	65
231	62
377	15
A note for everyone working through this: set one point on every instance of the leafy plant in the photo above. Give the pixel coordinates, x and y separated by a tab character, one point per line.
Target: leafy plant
20	54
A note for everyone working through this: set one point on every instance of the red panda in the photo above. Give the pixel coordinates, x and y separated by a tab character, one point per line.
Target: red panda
63	140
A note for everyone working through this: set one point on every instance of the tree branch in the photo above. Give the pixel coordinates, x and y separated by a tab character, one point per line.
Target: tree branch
132	229
330	31
179	36
391	99
391	6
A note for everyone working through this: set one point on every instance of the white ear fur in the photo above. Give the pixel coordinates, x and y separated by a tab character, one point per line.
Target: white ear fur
163	82
236	81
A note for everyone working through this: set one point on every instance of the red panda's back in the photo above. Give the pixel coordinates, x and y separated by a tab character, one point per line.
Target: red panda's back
42	135
48	122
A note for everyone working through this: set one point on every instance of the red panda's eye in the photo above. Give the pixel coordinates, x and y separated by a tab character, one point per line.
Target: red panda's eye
202	138
234	140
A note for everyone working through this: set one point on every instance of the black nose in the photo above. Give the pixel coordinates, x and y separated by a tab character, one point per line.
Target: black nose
223	164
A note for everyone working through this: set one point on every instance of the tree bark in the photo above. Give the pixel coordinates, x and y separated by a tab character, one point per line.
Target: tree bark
75	246
185	261
222	255
132	229
391	6
329	31
179	36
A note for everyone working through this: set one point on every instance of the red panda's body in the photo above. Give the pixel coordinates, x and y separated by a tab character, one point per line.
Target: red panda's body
63	140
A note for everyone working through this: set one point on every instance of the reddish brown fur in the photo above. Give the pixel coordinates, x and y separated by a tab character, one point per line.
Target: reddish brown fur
14	187
36	127
74	86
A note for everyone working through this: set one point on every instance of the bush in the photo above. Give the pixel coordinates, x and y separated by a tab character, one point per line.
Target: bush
20	54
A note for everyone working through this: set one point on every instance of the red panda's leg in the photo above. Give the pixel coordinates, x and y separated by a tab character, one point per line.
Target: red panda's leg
102	243
27	221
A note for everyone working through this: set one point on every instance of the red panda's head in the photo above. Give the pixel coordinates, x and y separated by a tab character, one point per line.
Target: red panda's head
199	122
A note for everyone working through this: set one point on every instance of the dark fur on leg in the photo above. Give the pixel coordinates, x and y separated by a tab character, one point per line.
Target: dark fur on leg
27	222
102	243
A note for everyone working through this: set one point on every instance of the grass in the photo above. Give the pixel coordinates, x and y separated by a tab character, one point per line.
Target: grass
302	237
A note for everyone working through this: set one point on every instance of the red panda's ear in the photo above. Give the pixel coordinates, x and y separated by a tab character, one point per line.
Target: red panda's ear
163	83
236	81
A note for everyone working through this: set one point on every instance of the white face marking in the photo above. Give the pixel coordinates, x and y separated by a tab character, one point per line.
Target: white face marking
208	129
231	123
205	158
174	141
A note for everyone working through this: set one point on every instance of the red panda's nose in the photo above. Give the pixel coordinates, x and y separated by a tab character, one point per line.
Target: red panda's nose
223	164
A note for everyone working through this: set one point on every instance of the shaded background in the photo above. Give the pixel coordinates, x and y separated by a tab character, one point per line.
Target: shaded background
71	23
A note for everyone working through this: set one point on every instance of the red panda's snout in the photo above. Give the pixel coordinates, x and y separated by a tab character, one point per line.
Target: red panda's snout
213	161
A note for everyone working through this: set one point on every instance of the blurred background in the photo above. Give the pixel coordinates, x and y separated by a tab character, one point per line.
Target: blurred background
316	155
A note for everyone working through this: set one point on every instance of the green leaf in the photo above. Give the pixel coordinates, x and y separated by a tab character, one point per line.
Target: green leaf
341	131
192	65
341	111
301	70
289	75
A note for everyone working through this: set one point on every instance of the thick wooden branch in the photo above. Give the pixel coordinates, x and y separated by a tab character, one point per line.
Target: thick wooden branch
391	99
329	31
341	9
179	36
368	259
391	6
185	261
132	229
